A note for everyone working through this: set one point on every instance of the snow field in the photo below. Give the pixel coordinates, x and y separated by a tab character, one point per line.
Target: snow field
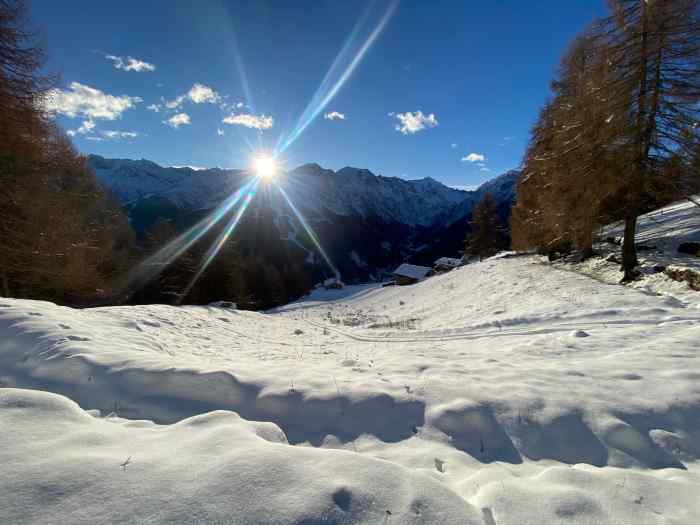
529	394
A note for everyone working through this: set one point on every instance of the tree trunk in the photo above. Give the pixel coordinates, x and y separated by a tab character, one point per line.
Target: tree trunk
629	249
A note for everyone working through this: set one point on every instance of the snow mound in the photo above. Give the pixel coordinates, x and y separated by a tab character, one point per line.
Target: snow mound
62	465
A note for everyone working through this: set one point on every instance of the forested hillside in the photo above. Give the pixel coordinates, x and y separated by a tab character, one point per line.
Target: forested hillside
63	238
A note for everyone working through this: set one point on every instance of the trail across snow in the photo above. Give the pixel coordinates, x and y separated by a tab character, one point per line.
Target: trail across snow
504	392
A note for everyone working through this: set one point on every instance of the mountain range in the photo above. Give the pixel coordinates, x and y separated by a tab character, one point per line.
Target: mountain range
366	223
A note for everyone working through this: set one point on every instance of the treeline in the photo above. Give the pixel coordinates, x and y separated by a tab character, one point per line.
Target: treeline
254	279
619	135
63	239
487	235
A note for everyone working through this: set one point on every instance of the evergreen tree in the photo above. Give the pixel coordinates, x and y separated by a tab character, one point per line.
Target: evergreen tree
487	237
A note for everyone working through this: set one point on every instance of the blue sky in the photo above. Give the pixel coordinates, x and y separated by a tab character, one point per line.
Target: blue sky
446	89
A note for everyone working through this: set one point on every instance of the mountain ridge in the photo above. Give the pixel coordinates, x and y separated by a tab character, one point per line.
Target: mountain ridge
366	223
345	191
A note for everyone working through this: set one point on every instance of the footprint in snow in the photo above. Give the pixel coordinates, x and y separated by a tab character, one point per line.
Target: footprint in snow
64	326
36	314
78	338
579	333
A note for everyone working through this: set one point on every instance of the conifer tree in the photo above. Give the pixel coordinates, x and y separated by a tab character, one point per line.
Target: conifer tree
486	237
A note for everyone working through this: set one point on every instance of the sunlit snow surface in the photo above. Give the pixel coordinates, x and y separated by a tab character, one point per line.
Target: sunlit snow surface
504	392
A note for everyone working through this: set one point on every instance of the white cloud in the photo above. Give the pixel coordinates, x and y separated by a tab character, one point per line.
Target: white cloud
86	127
154	107
89	102
201	94
465	187
130	64
250	121
177	120
92	133
410	123
116	135
176	103
240	105
484	169
454	145
474	157
198	93
334	115
219	132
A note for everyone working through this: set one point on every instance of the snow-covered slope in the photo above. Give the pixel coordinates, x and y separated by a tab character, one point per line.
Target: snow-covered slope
505	392
659	234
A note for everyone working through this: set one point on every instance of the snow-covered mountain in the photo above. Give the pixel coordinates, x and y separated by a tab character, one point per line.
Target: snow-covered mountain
348	191
367	222
134	180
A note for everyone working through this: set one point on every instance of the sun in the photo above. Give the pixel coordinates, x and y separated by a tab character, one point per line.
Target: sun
265	167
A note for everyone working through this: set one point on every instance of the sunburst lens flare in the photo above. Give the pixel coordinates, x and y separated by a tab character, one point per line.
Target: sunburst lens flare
265	167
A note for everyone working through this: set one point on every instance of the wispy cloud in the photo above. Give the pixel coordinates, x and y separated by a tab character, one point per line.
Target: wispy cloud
177	120
154	107
454	145
116	135
86	101
334	115
465	187
175	103
130	64
474	157
413	122
250	121
88	128
220	132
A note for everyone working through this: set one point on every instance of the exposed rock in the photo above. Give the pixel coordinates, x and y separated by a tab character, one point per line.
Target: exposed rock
692	277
